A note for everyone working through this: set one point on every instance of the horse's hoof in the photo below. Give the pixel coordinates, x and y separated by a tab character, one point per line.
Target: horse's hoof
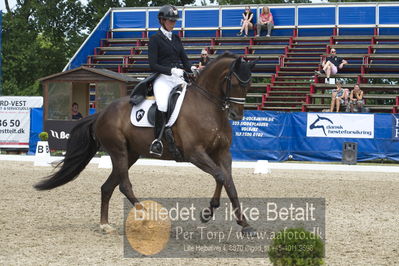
248	231
205	215
107	229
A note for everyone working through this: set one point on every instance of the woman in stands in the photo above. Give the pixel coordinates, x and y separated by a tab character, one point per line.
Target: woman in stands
356	99
168	58
265	22
204	59
332	64
339	96
246	21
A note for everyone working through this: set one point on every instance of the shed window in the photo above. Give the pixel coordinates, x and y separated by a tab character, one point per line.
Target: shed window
58	100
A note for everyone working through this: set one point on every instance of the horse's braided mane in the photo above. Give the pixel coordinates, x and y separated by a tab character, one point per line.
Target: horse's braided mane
222	56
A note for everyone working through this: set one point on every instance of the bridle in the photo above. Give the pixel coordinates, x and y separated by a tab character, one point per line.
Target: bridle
243	83
226	101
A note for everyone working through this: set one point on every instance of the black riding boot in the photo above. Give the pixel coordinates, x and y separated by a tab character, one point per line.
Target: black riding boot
156	147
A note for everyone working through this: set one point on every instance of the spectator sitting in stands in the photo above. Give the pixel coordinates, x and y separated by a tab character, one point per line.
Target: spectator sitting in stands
76	115
331	65
204	59
247	21
356	99
339	96
265	22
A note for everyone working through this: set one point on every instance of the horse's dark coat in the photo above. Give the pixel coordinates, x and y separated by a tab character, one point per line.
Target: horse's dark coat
202	132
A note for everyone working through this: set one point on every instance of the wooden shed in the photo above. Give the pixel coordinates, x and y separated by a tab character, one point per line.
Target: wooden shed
92	89
88	87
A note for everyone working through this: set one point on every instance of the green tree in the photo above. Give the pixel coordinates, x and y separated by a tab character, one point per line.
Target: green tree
18	50
39	36
335	1
96	9
255	2
133	3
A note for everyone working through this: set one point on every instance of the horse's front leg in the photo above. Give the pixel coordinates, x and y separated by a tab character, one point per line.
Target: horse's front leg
222	174
207	214
204	162
226	164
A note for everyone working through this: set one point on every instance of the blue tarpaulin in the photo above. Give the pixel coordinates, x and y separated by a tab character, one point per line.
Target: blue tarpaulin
36	127
275	136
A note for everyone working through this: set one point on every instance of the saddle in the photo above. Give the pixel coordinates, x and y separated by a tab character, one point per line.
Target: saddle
173	97
143	91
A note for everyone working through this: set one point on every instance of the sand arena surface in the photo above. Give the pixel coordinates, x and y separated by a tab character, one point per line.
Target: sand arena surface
62	226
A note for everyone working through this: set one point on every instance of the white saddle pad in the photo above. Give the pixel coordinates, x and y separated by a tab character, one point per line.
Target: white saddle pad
139	117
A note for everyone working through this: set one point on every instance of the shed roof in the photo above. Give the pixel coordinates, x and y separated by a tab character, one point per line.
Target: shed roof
69	74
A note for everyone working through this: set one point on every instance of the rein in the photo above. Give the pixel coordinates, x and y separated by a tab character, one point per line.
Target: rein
225	101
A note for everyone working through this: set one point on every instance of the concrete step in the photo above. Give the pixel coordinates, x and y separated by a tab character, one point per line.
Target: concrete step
303	53
283	108
299	82
299	73
307	44
290	87
307	49
296	92
312	59
290	98
321	39
302	63
285	77
282	103
298	69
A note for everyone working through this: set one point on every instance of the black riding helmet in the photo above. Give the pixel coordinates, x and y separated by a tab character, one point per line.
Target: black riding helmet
168	12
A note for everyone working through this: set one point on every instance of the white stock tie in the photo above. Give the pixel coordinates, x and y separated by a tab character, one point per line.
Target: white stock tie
169	35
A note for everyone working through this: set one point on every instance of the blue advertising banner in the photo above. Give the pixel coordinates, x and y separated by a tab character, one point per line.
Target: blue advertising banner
395	127
260	135
36	127
1	57
278	136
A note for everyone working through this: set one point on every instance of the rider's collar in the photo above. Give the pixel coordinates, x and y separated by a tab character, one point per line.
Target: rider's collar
168	34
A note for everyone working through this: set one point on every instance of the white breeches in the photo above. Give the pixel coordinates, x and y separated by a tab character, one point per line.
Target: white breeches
163	85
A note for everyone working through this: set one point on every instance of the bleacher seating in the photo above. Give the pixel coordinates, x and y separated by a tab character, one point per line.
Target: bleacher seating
284	78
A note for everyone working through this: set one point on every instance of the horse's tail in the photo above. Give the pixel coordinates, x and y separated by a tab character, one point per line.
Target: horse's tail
81	147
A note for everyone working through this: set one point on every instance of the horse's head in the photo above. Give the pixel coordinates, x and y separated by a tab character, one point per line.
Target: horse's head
238	81
229	78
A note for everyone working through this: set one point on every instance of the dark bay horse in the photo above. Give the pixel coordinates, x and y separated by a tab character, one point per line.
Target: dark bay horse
202	134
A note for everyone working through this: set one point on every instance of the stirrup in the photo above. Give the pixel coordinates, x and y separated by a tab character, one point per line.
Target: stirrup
156	147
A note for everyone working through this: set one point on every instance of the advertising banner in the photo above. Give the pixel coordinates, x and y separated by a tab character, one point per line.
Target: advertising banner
280	136
58	132
258	136
15	120
330	125
395	127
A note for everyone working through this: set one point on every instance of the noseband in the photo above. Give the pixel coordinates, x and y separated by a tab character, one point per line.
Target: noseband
226	101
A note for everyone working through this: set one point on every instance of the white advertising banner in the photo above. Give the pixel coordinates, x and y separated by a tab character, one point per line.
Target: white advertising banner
329	125
15	120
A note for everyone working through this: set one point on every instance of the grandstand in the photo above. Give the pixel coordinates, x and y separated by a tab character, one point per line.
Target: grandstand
365	34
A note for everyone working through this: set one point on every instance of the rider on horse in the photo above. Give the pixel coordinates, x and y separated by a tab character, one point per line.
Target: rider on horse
167	57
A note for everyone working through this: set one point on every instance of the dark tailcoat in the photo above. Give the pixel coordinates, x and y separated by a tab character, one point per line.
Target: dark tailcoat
163	54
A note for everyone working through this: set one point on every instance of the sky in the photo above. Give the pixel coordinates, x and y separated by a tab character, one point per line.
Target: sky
12	3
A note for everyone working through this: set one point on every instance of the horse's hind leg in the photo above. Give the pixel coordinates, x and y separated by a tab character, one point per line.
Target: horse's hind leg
106	192
115	178
125	185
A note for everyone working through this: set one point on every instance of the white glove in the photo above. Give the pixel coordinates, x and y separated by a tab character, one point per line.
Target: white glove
195	70
177	72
